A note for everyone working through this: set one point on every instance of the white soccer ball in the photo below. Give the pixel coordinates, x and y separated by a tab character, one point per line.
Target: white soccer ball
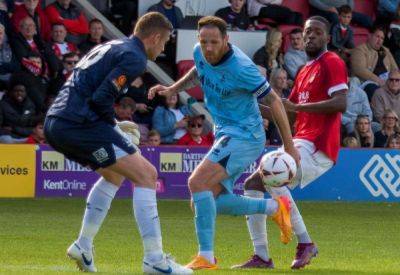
277	169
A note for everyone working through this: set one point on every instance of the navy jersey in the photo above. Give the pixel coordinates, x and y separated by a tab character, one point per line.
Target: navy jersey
98	79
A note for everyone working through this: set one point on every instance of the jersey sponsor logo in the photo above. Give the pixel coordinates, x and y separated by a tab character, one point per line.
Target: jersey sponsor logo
303	97
381	175
100	155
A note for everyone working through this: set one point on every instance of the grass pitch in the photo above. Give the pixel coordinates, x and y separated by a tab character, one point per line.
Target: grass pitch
353	238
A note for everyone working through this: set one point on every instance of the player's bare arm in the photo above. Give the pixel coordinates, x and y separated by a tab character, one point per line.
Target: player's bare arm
279	116
188	81
337	103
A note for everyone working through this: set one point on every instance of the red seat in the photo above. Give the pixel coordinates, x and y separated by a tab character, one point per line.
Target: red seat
183	67
360	35
367	7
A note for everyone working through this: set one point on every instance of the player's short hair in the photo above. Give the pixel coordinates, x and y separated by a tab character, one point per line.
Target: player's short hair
213	21
127	102
58	24
295	31
322	20
69	55
345	9
150	23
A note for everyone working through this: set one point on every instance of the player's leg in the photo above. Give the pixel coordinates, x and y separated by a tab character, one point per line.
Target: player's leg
143	174
257	227
97	205
203	180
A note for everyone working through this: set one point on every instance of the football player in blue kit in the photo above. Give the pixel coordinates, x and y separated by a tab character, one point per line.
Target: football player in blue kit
81	125
232	85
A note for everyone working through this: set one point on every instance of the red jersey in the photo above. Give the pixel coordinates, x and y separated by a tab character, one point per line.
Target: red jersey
315	82
206	140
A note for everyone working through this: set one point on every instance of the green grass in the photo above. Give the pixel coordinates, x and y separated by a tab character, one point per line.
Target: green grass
353	238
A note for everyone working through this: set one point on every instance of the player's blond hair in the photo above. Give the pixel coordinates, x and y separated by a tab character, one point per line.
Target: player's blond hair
151	23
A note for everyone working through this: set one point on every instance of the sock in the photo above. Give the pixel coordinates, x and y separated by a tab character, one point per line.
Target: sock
299	228
146	216
97	205
257	226
205	213
236	205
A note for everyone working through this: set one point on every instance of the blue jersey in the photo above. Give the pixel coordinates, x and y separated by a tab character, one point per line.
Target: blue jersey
231	89
98	79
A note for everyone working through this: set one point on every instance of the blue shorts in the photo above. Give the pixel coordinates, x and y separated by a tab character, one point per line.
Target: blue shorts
235	155
94	144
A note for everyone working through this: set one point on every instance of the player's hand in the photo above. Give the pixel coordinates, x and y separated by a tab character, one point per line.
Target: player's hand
182	123
294	153
161	90
333	9
131	130
289	106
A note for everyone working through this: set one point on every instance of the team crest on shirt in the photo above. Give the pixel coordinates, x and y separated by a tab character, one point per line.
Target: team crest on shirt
119	82
303	97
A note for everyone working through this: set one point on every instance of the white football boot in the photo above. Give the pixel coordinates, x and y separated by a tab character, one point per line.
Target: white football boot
167	265
84	259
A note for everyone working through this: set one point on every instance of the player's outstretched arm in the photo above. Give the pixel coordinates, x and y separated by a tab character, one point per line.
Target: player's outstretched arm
189	80
337	103
279	115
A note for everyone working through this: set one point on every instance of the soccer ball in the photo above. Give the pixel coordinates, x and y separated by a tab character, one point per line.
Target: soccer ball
277	169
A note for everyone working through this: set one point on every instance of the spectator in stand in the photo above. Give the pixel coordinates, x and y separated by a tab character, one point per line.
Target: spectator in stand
154	138
27	42
387	11
350	142
194	135
172	12
357	104
124	109
363	131
387	97
170	119
69	60
34	77
393	141
32	9
269	56
5	19
279	83
295	57
8	61
128	10
19	115
394	37
58	43
342	40
329	10
62	11
371	62
37	136
390	126
236	16
94	38
272	9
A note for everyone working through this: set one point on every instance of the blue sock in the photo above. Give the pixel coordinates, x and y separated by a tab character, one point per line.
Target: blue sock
231	204
205	210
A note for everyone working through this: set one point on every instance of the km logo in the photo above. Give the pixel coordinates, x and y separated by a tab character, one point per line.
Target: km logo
382	175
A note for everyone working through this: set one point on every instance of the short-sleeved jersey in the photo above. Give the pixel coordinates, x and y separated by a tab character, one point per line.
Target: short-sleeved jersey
231	89
315	82
98	79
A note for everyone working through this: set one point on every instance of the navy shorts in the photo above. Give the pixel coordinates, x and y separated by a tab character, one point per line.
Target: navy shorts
94	144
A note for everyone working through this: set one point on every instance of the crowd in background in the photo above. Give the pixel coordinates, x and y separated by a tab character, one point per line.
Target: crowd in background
40	45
